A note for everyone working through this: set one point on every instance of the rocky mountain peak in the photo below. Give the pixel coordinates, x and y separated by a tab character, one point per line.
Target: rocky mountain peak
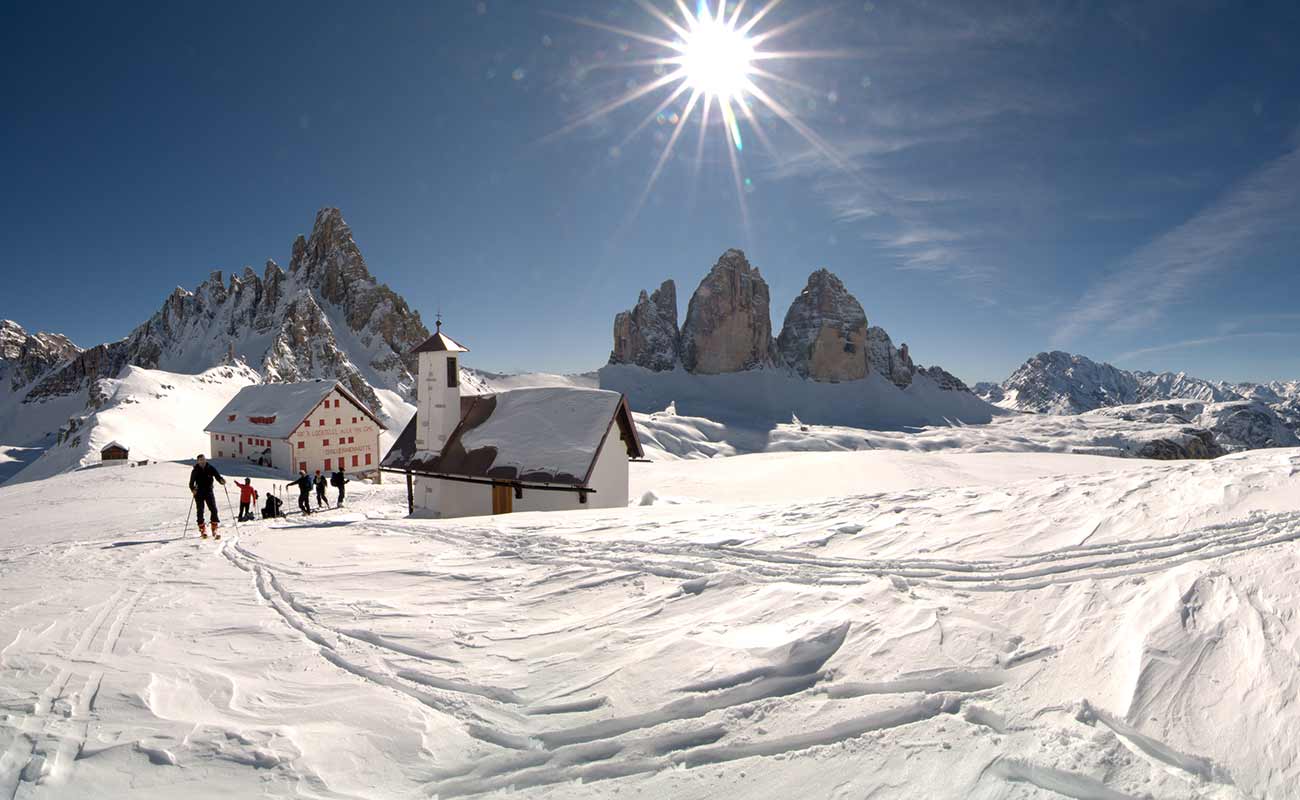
26	356
824	337
1056	382
327	317
825	331
728	325
647	335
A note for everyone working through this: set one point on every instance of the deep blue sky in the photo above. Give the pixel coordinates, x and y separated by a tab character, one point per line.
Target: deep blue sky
1116	179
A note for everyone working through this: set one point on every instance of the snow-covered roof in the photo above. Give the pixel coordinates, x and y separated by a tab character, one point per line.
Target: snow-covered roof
537	435
275	410
114	443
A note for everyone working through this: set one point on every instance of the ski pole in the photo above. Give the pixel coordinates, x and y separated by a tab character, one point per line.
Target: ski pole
231	508
186	532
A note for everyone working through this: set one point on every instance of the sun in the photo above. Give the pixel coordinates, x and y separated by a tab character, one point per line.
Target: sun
715	57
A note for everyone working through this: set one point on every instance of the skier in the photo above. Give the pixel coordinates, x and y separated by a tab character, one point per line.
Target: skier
338	480
201	478
319	483
247	496
304	484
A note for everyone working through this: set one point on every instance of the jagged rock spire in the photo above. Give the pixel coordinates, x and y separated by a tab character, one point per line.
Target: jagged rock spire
728	325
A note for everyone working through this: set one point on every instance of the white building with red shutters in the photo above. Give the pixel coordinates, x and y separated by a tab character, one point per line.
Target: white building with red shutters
318	425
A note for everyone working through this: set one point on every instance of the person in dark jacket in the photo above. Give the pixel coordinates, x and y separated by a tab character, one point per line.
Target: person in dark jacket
319	483
201	479
304	484
338	480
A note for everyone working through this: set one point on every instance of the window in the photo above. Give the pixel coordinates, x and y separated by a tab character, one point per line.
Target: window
322	423
453	374
354	420
219	454
338	421
354	461
326	443
300	444
367	459
327	465
306	423
336	404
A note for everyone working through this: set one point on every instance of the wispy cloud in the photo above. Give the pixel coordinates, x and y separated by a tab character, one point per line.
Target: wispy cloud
1188	344
1260	207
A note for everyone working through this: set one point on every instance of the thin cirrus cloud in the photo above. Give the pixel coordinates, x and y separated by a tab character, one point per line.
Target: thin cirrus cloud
1262	206
1206	341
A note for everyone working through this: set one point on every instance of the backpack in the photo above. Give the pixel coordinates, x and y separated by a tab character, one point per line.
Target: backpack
336	479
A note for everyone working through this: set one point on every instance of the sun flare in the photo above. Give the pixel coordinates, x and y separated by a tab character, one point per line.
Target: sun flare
716	58
713	57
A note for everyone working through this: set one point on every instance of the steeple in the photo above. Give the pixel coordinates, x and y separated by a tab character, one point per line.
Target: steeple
438	390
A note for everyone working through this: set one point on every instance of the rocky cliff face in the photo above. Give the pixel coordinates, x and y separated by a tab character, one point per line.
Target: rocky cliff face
728	325
327	317
25	357
824	335
647	336
894	363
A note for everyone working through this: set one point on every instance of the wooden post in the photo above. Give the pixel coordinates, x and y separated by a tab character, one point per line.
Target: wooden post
410	494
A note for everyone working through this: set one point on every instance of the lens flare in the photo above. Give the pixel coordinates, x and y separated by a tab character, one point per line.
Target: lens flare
706	58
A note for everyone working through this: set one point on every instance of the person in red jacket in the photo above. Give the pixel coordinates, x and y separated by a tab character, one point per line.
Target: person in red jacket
247	496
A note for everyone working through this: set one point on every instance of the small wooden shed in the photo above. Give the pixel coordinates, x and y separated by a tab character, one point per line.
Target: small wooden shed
114	452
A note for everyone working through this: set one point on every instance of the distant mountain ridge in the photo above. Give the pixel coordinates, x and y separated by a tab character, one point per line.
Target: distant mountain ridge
1063	383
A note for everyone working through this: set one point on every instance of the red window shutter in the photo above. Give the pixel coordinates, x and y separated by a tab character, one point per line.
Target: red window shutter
354	461
306	423
327	442
327	464
354	420
338	421
336	403
322	423
367	459
300	445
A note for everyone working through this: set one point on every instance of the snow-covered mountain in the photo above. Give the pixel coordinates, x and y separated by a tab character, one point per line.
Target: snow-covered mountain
1062	383
325	317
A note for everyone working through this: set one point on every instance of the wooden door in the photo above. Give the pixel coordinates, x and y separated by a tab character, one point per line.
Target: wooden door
503	499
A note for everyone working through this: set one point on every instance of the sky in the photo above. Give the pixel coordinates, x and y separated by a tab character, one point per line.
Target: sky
989	179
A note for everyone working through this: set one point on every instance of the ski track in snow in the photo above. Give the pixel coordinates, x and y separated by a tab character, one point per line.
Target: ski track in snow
696	650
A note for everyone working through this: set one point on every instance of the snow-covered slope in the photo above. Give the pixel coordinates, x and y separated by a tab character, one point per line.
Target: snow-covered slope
761	396
668	435
875	624
156	415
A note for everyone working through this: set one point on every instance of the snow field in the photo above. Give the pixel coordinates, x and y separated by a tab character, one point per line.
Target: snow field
822	624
